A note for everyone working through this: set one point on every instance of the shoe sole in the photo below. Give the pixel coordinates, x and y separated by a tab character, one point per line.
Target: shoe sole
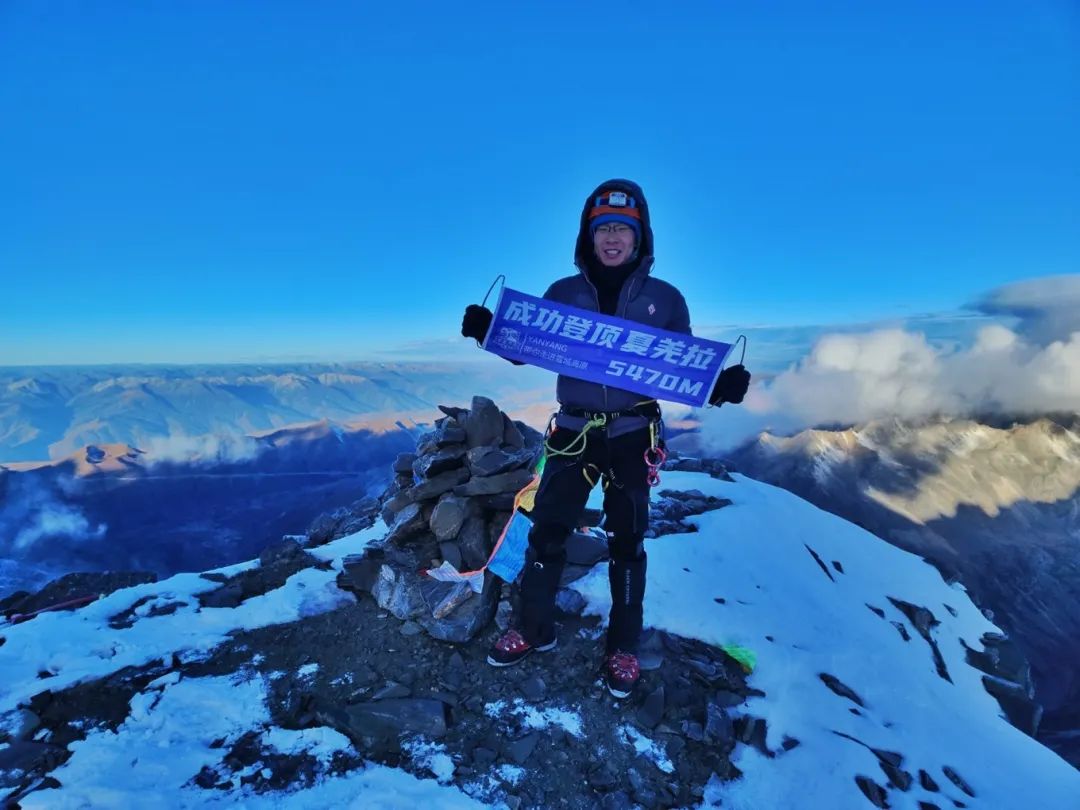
542	648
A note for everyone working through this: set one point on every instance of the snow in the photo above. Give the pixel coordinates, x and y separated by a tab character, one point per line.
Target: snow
643	745
535	718
431	756
511	774
166	740
322	743
754	555
150	760
80	645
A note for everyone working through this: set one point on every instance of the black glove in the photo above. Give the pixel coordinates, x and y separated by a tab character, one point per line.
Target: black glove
731	385
476	322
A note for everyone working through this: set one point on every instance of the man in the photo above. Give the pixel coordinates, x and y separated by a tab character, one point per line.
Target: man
614	257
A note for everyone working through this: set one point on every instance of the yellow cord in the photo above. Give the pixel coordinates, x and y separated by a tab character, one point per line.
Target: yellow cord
572	448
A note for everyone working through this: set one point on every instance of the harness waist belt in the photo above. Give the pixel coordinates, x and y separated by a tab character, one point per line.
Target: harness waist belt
650	412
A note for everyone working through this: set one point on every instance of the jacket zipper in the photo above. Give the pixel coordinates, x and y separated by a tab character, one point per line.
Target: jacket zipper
620	309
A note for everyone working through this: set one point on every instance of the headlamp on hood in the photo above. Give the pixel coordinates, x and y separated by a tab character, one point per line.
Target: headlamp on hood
615	206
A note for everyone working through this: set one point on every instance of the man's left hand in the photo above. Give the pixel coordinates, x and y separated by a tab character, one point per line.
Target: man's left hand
731	385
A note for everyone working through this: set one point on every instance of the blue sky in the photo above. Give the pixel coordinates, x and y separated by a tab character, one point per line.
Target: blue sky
199	182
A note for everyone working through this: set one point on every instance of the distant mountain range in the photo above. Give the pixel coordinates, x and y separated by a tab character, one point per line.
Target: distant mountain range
110	507
997	507
170	411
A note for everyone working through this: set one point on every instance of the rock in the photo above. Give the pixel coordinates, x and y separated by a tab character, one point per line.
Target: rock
22	757
727	699
873	791
502	502
570	601
693	731
448	517
1008	679
840	688
442	598
436	486
468	618
572	573
444	460
75	586
399	593
714	468
585	549
395	503
411	628
602	778
512	437
897	776
534	688
227	596
483	757
387	718
472	540
403	463
458	415
927	782
360	571
409	523
591	517
650	661
718	726
453	674
484	424
391	691
451	554
652	710
285	551
503	616
956	779
341	522
510	482
18	724
619	800
520	750
488	461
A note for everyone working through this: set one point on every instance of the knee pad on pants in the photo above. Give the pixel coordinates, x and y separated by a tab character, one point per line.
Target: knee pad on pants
626	546
547	543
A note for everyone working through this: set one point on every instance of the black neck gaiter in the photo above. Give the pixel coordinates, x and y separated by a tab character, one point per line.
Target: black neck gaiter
609	281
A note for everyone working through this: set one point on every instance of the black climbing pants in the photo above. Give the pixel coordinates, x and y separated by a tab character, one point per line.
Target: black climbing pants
617	464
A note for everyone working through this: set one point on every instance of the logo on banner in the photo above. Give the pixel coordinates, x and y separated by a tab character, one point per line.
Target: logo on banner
507	338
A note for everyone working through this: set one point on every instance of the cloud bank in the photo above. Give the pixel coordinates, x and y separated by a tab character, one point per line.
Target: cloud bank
1031	366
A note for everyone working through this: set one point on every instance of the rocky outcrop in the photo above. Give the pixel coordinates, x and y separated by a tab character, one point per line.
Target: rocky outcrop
449	502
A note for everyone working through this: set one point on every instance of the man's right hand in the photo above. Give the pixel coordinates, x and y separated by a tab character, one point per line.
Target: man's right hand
476	322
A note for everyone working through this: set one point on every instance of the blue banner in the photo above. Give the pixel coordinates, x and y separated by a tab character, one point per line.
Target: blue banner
604	349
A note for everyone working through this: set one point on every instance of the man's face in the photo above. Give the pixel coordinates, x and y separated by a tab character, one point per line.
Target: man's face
613	243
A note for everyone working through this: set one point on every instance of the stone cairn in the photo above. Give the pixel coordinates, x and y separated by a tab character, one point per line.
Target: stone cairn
449	501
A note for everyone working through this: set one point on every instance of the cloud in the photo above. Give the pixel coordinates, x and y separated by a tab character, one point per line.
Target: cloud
31	513
1048	309
1030	368
210	448
60	521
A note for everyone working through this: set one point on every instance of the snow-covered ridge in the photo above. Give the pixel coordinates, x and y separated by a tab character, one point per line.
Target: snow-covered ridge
853	696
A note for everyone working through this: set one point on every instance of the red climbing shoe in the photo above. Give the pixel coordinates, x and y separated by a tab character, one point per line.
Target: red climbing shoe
512	647
621	673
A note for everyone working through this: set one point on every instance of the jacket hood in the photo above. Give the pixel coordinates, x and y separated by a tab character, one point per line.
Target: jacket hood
584	248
